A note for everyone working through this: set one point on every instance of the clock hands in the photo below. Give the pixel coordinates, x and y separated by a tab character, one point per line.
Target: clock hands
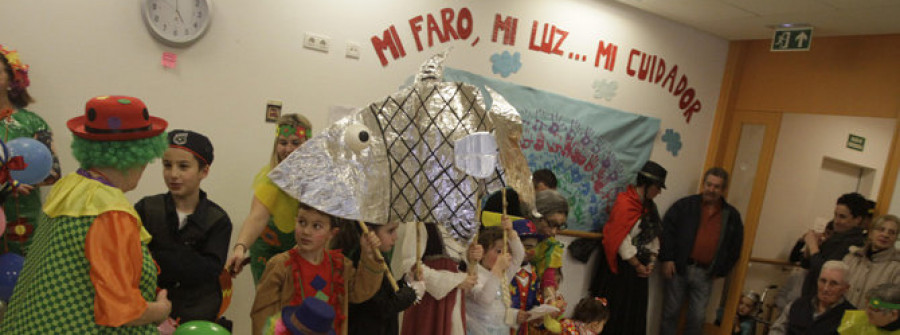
178	13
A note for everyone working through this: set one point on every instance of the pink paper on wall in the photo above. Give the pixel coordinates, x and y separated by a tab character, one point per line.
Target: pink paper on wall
169	60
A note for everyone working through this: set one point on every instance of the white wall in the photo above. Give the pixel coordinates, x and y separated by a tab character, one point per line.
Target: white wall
252	53
796	178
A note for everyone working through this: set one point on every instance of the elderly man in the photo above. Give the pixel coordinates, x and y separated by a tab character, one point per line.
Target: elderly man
821	314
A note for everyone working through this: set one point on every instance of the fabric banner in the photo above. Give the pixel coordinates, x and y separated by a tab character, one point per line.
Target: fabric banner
594	151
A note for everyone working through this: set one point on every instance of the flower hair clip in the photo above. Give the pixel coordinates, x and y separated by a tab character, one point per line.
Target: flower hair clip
20	70
601	300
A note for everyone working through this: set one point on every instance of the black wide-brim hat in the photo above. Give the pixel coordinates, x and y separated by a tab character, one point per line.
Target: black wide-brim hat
655	172
494	203
116	118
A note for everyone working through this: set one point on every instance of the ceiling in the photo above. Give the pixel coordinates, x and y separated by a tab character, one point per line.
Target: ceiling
755	19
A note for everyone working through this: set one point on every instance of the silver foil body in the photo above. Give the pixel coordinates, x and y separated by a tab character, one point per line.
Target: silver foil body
406	171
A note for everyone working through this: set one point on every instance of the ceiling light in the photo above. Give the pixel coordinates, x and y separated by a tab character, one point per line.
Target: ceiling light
789	25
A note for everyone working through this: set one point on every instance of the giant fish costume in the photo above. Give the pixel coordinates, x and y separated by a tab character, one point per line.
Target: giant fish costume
393	161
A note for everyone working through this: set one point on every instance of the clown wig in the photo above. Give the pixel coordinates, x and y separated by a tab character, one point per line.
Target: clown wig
121	155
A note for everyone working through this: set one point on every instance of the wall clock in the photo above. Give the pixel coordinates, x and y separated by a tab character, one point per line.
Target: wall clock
177	22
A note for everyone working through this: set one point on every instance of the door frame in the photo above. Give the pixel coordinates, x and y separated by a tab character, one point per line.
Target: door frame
772	122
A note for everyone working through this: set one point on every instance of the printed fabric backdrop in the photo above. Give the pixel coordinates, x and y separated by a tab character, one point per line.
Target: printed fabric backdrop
594	151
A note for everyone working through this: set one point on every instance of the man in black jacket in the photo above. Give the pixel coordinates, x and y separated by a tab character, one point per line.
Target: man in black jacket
701	241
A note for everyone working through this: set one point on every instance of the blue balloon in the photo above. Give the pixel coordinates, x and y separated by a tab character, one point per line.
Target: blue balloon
36	155
10	266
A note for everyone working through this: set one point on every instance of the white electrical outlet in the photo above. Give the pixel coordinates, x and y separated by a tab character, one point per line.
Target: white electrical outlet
316	42
352	50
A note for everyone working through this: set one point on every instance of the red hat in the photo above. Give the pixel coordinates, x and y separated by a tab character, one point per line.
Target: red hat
116	118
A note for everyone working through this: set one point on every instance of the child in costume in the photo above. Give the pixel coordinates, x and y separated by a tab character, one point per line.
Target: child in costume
269	226
524	292
89	270
312	316
589	317
524	287
392	159
554	211
190	232
309	269
378	315
442	309
23	209
488	308
550	324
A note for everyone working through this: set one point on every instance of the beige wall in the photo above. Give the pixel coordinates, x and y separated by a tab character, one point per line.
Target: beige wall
252	53
803	142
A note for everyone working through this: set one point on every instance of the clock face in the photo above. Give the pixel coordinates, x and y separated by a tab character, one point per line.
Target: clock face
176	22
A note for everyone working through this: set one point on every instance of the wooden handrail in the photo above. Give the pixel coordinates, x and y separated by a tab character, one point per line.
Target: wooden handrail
772	261
578	233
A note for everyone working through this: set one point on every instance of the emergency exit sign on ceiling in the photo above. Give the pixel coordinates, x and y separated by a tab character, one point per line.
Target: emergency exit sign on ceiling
792	39
856	142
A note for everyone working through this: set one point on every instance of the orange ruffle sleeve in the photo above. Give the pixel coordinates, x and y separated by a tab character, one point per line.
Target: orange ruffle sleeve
113	248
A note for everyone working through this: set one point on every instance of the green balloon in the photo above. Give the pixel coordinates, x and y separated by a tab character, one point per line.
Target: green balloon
198	327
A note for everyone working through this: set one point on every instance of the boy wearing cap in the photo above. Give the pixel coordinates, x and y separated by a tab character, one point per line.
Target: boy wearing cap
191	234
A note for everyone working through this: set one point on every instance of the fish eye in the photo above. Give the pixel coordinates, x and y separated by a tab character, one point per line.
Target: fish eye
357	137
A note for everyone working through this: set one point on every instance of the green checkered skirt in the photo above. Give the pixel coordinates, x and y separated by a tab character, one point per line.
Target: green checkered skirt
54	294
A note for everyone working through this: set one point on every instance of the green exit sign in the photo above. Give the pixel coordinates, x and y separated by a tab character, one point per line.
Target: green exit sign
856	142
792	39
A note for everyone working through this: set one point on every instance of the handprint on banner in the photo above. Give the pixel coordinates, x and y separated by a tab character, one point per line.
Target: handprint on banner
586	173
505	63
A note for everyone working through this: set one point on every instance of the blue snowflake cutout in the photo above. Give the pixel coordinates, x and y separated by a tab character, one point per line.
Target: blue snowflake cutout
605	89
673	141
505	64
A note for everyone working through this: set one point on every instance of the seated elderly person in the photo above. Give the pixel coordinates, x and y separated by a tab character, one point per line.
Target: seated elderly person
820	314
878	262
881	316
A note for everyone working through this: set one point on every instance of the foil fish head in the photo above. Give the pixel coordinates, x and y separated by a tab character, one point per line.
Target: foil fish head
404	170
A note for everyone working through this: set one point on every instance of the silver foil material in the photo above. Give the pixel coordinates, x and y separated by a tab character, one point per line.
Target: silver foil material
508	132
405	172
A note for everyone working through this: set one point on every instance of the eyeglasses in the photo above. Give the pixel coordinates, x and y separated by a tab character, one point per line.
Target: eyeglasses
555	224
